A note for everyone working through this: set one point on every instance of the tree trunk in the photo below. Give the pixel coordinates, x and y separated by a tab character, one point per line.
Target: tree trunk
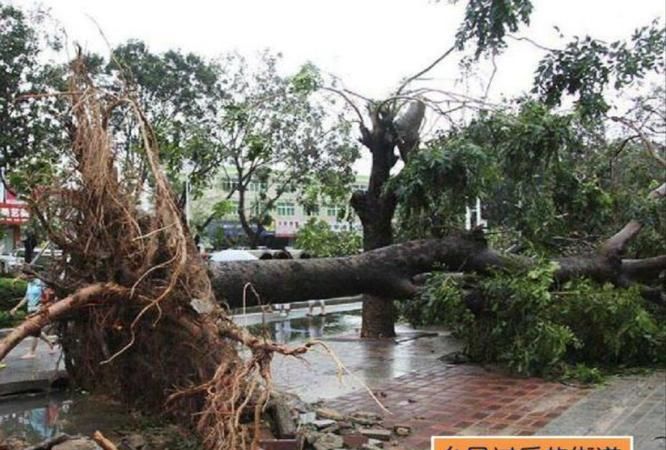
389	272
375	207
252	235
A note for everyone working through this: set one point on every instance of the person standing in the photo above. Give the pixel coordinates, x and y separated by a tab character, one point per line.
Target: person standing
33	298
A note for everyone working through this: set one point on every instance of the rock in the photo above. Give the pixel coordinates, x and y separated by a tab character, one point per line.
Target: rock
328	441
333	428
77	444
307	417
329	413
376	433
365	418
311	436
285	424
402	430
354	440
323	423
372	446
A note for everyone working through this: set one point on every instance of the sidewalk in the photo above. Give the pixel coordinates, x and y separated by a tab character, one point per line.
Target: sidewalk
435	398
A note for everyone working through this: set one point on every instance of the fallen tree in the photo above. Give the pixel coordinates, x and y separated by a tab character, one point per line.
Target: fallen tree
390	271
128	278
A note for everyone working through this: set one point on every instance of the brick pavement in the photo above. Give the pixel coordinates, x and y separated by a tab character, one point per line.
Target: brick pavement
466	400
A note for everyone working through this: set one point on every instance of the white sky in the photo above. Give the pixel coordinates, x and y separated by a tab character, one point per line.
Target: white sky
370	44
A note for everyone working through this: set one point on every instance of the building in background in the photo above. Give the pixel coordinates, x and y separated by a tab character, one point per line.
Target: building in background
288	216
13	215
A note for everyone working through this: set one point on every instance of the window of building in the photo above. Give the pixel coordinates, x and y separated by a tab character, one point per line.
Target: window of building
312	210
334	210
256	186
286	209
228	184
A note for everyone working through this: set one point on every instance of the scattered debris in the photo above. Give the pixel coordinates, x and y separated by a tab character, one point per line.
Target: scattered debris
329	413
402	430
377	433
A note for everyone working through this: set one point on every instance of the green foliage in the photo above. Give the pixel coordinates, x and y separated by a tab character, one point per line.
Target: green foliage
441	302
277	131
487	22
30	129
533	330
317	238
586	67
9	321
307	80
12	291
438	182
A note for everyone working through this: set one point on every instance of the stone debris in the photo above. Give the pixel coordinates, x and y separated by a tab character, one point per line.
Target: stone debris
323	423
329	413
402	430
322	428
365	418
328	441
377	433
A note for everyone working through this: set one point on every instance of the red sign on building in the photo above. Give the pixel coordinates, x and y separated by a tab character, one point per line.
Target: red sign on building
12	210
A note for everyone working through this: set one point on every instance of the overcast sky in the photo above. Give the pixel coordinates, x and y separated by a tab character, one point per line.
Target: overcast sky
370	44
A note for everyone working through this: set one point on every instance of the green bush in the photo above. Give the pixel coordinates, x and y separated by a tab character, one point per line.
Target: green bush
12	291
317	238
534	330
8	321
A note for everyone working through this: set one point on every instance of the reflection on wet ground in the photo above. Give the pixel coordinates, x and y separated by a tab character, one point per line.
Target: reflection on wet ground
366	362
310	327
34	419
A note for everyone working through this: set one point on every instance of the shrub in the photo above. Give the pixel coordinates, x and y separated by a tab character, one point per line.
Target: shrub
317	238
535	330
11	292
8	321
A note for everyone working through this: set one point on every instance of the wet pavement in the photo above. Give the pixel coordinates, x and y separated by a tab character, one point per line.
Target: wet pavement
37	374
407	374
354	364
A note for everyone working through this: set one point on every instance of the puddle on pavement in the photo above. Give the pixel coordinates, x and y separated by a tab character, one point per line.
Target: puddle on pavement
33	419
310	327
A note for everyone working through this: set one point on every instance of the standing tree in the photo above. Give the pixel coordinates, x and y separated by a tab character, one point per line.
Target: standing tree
31	132
273	133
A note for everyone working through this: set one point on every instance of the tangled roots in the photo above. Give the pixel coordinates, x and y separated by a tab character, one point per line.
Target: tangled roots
136	336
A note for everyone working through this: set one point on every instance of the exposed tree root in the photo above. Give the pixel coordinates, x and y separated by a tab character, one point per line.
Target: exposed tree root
127	279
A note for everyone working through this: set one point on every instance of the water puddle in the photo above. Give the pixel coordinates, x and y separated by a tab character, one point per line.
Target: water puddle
36	418
310	327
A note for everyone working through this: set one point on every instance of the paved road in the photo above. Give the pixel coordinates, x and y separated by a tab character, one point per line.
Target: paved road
22	375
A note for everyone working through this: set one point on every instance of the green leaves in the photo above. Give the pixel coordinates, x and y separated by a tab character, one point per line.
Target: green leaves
29	128
487	22
439	181
586	67
317	238
535	328
307	80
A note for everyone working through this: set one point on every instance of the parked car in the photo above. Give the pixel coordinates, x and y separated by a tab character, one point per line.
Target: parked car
231	255
11	262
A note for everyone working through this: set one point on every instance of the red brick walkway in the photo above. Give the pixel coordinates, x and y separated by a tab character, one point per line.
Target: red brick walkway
449	400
